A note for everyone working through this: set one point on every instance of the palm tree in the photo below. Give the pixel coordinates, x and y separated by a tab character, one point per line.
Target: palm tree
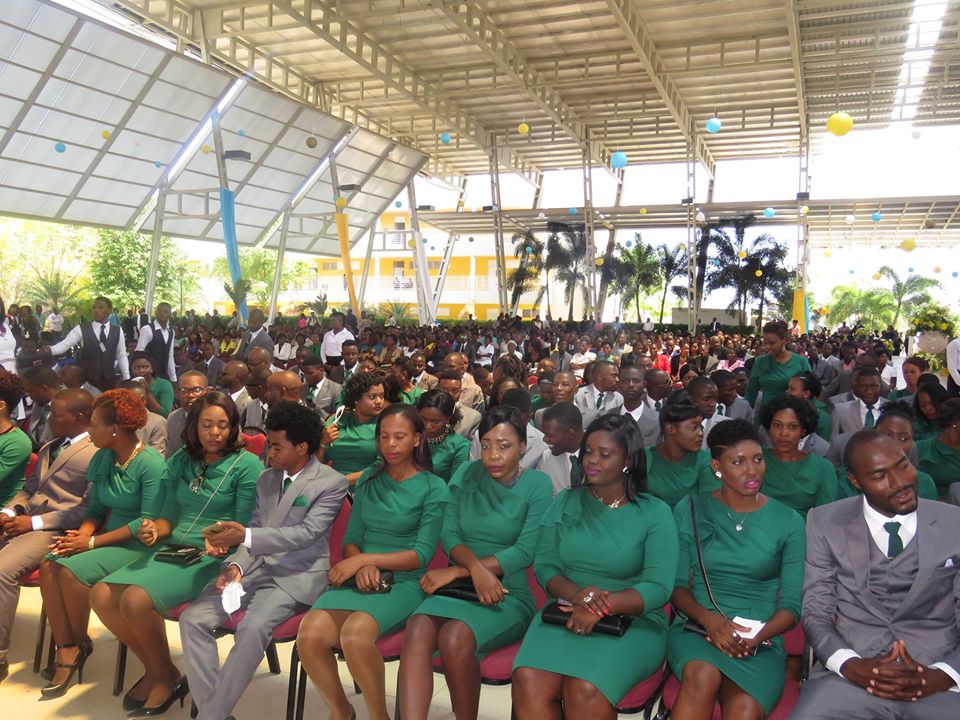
319	306
567	259
673	264
399	310
238	295
737	273
634	273
53	288
874	308
526	277
774	277
909	293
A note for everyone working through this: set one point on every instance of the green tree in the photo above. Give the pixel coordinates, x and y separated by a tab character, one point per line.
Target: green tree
399	310
237	292
526	277
910	293
634	273
319	305
54	288
673	264
258	265
774	278
29	246
567	260
730	271
120	266
874	308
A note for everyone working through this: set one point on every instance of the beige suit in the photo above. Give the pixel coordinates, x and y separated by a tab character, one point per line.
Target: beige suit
427	381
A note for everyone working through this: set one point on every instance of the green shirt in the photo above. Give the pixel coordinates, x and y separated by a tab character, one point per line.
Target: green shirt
162	391
772	377
126	496
673	481
941	461
15	449
801	484
410	397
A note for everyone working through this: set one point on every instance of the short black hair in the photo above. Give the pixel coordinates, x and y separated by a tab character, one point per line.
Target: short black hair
721	377
41	376
806	414
567	414
896	409
301	424
866	371
811	383
312	361
358	384
105	300
503	414
859	439
678	407
351	343
444	403
142	355
627	435
547	376
776	327
450	375
699	381
518	398
948	413
727	434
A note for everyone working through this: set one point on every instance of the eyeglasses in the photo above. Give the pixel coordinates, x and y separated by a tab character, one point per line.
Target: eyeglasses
192	390
197	481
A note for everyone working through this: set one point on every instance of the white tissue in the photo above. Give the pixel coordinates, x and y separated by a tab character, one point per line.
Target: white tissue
754	625
231	597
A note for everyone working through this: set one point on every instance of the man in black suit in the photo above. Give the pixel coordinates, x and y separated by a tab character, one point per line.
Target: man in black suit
255	335
210	363
350	352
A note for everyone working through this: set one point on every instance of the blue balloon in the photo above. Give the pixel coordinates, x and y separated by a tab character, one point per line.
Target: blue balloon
445	138
528	249
572	211
629	243
955	274
60	148
909	269
618	160
157	163
424	241
242	133
851	271
398	204
769	212
876	217
714	125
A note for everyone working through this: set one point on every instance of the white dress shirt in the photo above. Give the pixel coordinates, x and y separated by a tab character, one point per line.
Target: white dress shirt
75	336
863	411
146	335
485	354
248	533
332	344
8	348
881	538
557	467
953	359
636	413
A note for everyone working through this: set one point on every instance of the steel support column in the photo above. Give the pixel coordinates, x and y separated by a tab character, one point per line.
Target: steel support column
611	246
366	265
591	263
692	300
278	271
498	230
155	249
427	313
452	239
803	244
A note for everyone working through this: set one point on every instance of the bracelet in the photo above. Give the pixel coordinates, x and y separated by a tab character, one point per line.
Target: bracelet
90	544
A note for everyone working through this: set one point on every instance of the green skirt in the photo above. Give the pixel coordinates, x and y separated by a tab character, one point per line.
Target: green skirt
493	626
92	566
167	585
390	610
760	676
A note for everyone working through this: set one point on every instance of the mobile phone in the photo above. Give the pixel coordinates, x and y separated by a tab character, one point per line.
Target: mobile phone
212	529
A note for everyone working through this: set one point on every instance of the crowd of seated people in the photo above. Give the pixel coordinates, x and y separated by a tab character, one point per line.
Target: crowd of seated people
683	500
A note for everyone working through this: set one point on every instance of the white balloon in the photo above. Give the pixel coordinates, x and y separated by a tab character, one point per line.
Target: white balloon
915	134
850	219
700	216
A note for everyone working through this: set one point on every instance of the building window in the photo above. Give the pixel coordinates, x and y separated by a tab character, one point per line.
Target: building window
434	264
329	266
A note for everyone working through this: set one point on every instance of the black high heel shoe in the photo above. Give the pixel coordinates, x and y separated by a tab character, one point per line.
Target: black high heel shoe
179	693
51	690
86	647
130	704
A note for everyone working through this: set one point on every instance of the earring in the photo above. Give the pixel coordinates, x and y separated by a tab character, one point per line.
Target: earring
717	473
626	469
114	434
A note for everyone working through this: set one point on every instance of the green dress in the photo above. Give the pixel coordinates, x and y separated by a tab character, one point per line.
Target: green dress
900	394
941	461
772	377
801	484
410	397
926	487
388	517
924	429
228	492
355	448
753	573
15	449
122	497
824	426
671	482
162	391
494	520
449	455
537	403
632	547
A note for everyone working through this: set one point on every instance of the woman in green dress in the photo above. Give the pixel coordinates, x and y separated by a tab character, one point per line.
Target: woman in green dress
403	373
926	404
394	526
772	371
797	479
808	387
912	369
753	550
896	422
677	466
605	546
212	478
490	531
15	445
125	489
349	443
940	455
448	450
160	391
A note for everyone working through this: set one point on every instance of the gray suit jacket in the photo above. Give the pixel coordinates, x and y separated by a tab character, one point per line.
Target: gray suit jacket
246	345
58	491
212	370
290	534
154	433
470	421
649	425
176	422
739	409
826	371
586	402
839	609
325	401
846	417
252	417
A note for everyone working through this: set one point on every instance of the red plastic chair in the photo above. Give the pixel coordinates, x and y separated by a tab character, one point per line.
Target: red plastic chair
256	444
31	464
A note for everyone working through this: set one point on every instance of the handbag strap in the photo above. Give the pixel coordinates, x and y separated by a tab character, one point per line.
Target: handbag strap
703	567
212	496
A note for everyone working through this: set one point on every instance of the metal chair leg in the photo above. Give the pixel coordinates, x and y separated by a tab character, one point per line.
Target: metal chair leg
301	692
273	662
121	669
41	638
292	684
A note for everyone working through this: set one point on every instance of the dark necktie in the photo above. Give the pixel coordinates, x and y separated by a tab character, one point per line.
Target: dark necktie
720	409
869	421
60	448
600	400
895	546
103	336
657	405
312	393
576	472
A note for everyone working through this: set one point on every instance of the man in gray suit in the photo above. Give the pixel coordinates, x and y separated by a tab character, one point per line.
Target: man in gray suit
255	335
53	499
881	588
601	396
319	391
451	384
40	384
192	386
729	404
632	385
863	411
281	560
210	363
703	391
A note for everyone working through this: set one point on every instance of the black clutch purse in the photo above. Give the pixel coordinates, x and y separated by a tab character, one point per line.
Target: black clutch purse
183	555
616	624
461	589
385	586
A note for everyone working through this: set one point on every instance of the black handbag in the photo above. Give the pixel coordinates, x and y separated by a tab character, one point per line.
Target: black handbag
614	624
385	586
183	555
459	589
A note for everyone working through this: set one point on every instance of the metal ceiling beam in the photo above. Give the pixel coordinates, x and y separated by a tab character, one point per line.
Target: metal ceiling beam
646	51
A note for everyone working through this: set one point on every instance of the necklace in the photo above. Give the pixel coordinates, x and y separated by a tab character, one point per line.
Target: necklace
512	481
136	451
741	523
614	505
438	440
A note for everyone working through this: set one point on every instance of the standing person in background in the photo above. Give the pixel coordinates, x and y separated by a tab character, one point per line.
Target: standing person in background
331	347
953	367
254	336
771	372
156	339
103	354
54	324
8	342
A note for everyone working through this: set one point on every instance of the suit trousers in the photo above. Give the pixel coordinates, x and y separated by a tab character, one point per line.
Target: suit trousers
17	556
216	689
828	696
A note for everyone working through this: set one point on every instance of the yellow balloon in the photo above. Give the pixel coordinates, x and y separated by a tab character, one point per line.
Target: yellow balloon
599	261
759	273
742	254
682	247
936	269
804	209
909	245
523	128
105	134
205	149
827	253
839	124
340	202
643	211
411	244
877	276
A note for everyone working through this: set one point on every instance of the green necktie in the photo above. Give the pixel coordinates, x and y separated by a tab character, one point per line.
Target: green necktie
895	546
576	472
869	421
657	405
60	448
312	394
287	482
